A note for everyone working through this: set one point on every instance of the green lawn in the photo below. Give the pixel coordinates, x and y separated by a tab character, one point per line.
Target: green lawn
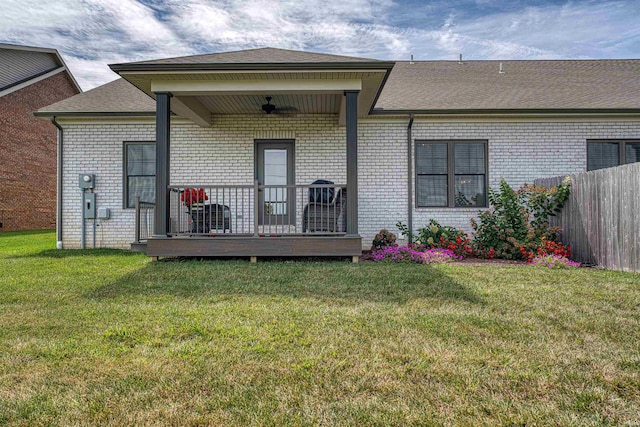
108	337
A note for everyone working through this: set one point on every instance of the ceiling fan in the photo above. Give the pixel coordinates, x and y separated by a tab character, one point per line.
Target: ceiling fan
269	108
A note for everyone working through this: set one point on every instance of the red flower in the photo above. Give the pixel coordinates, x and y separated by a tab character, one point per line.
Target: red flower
192	195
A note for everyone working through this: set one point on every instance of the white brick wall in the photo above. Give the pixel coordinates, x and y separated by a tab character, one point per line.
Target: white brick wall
520	152
223	154
97	149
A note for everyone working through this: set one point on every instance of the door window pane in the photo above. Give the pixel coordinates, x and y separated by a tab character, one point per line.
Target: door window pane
602	155
275	167
275	173
470	190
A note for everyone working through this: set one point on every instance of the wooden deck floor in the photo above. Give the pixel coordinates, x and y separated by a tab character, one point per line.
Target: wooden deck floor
221	246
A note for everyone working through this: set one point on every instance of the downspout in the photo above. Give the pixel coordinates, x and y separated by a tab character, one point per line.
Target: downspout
59	189
410	178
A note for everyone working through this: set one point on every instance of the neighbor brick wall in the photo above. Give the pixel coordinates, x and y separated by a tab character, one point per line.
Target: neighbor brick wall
223	154
28	155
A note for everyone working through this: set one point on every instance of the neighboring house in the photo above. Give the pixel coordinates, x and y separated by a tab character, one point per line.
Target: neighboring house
30	78
413	140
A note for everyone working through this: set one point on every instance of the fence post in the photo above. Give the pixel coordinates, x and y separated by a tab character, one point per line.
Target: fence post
137	232
256	201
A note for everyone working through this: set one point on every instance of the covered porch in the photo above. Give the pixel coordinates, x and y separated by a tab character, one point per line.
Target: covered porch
279	210
250	220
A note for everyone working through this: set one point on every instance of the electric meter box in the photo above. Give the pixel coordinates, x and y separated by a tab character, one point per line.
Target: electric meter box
86	180
90	205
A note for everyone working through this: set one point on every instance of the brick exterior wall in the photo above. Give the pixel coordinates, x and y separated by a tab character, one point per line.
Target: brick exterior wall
223	154
28	152
520	152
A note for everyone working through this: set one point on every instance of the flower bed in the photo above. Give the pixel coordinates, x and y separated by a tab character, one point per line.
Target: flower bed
554	261
408	254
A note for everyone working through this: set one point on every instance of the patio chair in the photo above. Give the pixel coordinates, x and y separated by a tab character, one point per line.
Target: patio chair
205	218
325	214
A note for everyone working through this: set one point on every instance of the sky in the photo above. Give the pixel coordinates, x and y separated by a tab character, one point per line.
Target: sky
93	33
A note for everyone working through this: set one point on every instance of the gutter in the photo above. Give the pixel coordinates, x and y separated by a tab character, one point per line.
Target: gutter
252	66
59	186
506	111
410	178
95	114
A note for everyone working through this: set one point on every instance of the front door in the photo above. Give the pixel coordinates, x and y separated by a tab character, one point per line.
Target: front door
274	167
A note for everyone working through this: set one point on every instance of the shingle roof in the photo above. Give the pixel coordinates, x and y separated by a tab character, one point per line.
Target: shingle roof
478	85
442	86
118	96
267	55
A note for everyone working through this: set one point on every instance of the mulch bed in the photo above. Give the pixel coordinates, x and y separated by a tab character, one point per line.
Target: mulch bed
473	262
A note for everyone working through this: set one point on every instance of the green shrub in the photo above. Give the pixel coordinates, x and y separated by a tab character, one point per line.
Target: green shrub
383	239
543	203
517	220
434	235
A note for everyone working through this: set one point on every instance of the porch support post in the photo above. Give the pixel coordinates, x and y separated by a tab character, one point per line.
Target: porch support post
163	136
352	161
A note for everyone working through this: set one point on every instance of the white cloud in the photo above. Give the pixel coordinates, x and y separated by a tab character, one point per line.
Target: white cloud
572	30
93	33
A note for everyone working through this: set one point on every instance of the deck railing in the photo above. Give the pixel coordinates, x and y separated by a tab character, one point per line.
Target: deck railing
143	221
257	210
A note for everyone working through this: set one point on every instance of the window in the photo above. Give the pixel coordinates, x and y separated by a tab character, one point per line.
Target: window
139	172
605	153
451	173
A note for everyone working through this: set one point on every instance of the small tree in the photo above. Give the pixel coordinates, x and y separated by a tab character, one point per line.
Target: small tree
518	221
383	239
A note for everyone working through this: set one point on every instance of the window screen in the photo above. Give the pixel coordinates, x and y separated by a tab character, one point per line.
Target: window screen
632	152
606	154
140	172
602	155
432	168
469	174
451	174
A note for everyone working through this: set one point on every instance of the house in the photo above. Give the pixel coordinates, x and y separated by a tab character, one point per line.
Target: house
30	78
217	153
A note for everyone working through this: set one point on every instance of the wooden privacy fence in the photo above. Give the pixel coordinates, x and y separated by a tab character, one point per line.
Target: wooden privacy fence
601	218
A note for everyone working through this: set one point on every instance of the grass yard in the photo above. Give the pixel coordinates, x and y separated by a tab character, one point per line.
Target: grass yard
109	338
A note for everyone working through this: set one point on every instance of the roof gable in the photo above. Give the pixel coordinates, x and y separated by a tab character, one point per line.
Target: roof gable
267	55
17	66
21	66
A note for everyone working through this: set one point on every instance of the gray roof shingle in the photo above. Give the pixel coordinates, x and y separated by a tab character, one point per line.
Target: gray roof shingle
118	96
266	55
430	86
478	85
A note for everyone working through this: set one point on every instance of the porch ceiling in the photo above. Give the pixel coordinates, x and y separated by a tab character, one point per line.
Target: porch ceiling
325	103
200	95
